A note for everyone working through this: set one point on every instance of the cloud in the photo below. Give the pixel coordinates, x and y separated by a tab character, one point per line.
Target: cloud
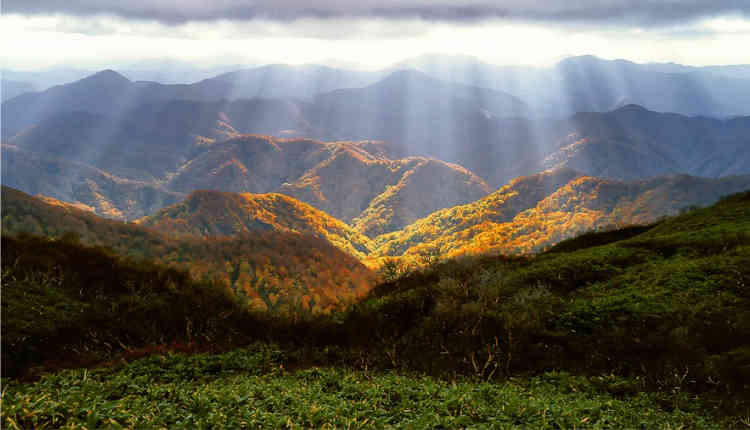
610	12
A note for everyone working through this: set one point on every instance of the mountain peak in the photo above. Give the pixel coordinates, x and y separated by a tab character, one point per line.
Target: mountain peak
631	108
107	76
580	59
407	74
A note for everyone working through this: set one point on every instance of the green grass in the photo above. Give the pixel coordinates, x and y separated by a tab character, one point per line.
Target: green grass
250	388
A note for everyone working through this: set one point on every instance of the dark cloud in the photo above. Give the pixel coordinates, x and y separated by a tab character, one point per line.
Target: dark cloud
625	12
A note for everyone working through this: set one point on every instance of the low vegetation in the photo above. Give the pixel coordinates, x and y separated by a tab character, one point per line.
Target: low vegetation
250	388
641	327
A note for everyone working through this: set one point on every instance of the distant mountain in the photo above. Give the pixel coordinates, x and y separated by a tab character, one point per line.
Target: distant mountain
632	142
215	213
43	79
421	115
534	212
106	93
295	82
172	71
83	185
418	114
590	84
10	89
154	139
170	135
270	269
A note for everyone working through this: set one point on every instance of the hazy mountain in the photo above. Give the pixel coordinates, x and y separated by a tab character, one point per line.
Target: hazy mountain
153	139
415	113
270	268
420	114
45	78
534	212
173	71
86	186
215	213
10	89
296	82
111	94
590	84
632	142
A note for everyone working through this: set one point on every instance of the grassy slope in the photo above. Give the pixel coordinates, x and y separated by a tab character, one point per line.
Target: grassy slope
666	308
674	298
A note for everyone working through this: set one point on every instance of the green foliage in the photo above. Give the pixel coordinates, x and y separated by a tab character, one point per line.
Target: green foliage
62	300
250	388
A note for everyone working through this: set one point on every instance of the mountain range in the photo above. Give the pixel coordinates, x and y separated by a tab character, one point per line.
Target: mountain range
591	84
108	121
386	164
532	213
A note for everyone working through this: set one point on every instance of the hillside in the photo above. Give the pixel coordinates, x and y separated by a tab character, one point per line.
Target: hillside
378	194
105	194
637	302
272	269
215	213
643	327
632	142
534	212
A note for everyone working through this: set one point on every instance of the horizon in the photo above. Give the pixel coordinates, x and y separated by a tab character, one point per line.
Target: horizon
156	63
368	35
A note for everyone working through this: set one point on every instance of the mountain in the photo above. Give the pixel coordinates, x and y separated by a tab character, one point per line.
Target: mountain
111	94
170	133
46	78
109	123
105	93
295	82
270	269
10	88
178	147
477	128
531	213
172	71
215	213
97	190
344	179
590	84
378	194
632	142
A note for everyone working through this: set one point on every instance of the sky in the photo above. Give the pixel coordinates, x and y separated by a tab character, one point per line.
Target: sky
369	34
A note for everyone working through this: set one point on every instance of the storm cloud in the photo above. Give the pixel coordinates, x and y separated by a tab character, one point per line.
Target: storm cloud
610	12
